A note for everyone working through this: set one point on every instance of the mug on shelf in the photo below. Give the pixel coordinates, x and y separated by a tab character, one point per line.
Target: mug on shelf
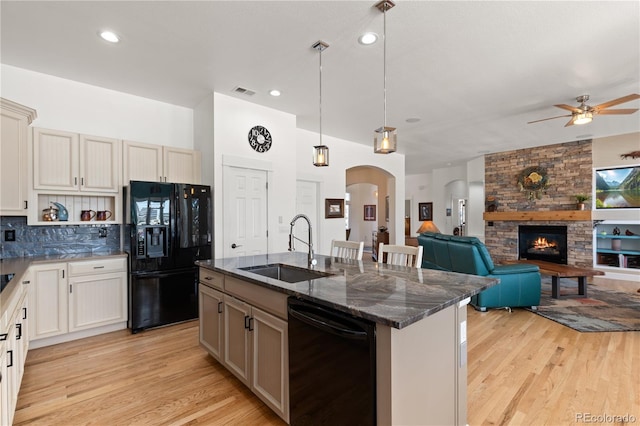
86	215
103	214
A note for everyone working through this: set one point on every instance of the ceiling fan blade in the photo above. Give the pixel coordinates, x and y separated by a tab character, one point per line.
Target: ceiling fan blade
569	107
617	101
550	118
616	111
570	123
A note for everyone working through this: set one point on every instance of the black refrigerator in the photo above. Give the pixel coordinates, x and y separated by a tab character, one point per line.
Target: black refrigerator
169	228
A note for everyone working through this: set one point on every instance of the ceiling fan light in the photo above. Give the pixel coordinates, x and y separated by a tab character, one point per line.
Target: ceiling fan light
583	118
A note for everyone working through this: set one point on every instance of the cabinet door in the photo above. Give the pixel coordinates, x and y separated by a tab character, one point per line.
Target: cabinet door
4	384
100	164
48	300
181	165
142	162
270	367
14	140
237	320
10	377
55	160
97	300
211	304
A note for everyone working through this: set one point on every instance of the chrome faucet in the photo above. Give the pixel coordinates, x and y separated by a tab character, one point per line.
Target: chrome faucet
311	260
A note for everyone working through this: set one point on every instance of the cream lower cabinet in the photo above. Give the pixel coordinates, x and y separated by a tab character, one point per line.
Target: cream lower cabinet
249	341
14	344
68	299
97	293
256	352
211	303
48	300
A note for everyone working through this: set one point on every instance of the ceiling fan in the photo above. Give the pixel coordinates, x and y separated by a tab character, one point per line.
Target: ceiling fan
584	113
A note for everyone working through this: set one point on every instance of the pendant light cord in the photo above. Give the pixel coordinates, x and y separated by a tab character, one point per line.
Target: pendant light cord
384	61
320	96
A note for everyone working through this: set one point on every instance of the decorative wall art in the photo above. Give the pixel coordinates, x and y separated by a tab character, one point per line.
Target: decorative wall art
333	208
369	212
425	211
534	181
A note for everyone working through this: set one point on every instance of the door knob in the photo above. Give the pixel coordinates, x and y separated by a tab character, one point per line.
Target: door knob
234	245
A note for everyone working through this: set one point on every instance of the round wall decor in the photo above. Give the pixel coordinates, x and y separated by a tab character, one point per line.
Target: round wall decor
260	139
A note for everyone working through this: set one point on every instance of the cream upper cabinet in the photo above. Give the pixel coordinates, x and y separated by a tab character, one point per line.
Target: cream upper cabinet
181	165
14	170
157	163
100	164
142	161
65	161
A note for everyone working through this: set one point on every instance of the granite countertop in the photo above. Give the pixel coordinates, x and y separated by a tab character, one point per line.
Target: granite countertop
19	265
395	296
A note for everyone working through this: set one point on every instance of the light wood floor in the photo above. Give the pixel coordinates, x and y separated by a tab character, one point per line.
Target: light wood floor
523	370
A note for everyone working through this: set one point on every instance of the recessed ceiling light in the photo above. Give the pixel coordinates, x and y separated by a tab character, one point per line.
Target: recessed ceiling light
274	92
412	120
109	36
368	38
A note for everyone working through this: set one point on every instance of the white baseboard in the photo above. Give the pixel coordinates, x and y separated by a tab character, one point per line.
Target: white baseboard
48	341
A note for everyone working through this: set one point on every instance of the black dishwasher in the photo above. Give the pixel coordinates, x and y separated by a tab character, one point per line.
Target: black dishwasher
332	367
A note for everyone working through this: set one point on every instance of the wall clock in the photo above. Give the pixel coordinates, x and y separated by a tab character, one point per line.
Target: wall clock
260	139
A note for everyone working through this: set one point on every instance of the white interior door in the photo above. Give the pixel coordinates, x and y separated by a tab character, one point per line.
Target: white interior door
307	204
244	211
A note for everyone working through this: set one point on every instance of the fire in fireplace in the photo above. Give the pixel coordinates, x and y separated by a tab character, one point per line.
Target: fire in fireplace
543	243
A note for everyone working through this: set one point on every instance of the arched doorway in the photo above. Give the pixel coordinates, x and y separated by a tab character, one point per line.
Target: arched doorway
371	186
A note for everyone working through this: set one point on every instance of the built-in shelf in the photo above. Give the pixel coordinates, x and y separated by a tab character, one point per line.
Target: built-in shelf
568	215
617	253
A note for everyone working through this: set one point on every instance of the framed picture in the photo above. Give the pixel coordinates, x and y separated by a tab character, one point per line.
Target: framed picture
333	208
425	211
369	212
386	208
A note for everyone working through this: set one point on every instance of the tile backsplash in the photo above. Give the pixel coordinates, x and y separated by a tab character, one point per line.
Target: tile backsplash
57	239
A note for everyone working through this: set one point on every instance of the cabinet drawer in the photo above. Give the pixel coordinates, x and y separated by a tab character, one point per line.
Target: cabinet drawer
101	266
211	279
271	301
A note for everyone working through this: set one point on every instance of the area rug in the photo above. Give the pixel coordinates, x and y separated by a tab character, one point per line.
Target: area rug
602	310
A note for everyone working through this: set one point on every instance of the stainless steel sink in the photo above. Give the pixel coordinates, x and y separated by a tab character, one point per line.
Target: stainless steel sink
286	273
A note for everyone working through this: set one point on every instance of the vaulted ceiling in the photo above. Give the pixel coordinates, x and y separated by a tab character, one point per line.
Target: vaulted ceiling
473	72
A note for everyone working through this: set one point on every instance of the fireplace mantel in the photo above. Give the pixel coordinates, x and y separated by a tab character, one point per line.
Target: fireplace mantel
527	216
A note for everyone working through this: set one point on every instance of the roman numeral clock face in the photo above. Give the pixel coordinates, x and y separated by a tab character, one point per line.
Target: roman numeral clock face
260	139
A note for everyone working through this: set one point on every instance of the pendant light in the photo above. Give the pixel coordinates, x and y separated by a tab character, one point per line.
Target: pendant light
320	152
385	138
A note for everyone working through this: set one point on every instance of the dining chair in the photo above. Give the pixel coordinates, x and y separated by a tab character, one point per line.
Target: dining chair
400	255
347	249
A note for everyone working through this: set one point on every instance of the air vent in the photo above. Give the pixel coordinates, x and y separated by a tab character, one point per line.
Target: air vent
243	91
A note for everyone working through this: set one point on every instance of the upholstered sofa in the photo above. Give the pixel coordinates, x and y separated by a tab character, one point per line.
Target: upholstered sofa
519	283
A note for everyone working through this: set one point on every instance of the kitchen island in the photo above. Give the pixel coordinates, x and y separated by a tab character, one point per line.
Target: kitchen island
420	317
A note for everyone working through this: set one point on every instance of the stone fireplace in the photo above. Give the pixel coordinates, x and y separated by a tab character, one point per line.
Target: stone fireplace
569	167
548	243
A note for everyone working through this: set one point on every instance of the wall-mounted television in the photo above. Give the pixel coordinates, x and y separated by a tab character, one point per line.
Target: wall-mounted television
617	187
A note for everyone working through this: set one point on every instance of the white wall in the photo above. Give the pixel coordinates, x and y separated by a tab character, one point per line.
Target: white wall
345	155
419	189
444	191
233	118
476	197
361	194
77	107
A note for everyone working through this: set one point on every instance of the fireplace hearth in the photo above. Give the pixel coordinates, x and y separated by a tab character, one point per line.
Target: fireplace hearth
548	243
